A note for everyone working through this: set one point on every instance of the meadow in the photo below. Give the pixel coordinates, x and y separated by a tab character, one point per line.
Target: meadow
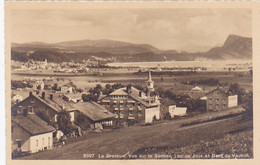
167	137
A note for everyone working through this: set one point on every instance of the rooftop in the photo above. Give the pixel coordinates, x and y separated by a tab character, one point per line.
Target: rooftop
94	111
32	124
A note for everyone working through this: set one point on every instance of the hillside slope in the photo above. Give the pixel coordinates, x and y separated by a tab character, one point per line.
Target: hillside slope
235	47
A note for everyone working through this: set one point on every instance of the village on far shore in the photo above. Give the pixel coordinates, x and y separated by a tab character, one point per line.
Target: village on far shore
49	109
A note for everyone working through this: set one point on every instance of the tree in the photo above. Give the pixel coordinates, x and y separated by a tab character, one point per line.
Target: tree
55	86
249	105
82	121
139	87
234	88
167	116
170	94
64	123
108	86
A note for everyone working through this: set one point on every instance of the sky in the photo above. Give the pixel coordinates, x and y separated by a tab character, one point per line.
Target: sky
189	30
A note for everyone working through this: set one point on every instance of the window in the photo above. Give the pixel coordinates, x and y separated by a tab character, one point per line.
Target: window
49	141
19	144
224	105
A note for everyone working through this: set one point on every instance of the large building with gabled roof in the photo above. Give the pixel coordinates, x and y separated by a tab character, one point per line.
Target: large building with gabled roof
50	104
131	105
220	99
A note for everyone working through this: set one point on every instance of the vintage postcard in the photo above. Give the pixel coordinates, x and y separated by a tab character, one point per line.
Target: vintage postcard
139	81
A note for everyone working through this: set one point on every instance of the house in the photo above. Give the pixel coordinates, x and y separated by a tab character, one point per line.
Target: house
74	97
218	99
131	105
97	115
197	88
66	89
165	103
16	98
38	85
177	111
29	133
48	104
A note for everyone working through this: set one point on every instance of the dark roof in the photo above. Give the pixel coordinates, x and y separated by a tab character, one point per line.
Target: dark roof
134	94
94	111
217	89
32	124
196	95
57	103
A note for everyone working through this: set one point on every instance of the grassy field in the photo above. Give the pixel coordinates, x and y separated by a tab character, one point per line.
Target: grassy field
165	137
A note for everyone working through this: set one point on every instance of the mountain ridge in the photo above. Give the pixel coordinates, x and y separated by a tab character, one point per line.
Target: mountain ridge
234	47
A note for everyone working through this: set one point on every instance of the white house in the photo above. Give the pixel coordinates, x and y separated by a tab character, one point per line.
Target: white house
66	89
150	112
74	97
177	111
17	97
38	85
197	88
30	133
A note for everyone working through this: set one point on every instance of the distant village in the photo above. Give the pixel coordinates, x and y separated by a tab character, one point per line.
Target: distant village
50	113
96	66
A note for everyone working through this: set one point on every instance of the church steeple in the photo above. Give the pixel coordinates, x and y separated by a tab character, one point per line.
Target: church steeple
150	84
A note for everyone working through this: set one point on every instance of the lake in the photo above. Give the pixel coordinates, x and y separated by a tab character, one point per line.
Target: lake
166	64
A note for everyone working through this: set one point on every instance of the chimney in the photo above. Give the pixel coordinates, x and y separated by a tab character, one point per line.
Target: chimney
140	93
128	88
51	96
25	112
30	93
43	95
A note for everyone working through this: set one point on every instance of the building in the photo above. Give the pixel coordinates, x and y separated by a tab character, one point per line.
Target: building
74	97
16	98
66	89
177	111
165	103
197	89
46	103
39	85
49	105
29	133
131	105
219	99
98	116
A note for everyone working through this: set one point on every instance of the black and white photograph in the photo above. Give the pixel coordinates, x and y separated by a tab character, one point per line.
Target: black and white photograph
130	83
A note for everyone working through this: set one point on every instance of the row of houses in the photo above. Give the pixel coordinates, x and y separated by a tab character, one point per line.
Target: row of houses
127	105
